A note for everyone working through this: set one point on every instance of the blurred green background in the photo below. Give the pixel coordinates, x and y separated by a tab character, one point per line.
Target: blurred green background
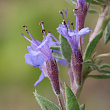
17	78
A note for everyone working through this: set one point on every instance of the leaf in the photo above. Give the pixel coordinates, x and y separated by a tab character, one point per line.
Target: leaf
104	71
105	66
57	55
105	22
65	49
44	102
91	45
55	47
99	76
72	2
91	11
90	63
103	2
82	107
107	33
71	101
92	2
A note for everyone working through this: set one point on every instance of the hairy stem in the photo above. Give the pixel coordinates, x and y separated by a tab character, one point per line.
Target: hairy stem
99	22
60	103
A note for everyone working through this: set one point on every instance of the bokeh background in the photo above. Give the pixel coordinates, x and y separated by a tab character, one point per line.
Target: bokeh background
17	78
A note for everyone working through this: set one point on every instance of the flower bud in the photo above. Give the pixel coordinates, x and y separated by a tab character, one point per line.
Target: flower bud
52	74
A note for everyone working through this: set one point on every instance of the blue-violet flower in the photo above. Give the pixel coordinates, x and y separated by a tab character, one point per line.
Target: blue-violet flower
40	56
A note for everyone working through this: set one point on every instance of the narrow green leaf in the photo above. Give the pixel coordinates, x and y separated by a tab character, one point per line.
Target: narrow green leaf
72	2
44	102
105	22
103	2
65	49
105	66
99	76
82	107
93	2
91	11
71	101
90	63
43	107
91	45
104	71
57	55
107	33
55	47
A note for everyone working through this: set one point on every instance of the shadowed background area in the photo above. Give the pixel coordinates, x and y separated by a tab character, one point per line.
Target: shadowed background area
17	78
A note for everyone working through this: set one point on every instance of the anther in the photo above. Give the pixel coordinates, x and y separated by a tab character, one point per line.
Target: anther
26	30
64	22
43	30
60	12
75	10
24	26
71	23
41	23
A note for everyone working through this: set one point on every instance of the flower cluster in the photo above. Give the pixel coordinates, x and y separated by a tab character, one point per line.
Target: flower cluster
40	54
68	51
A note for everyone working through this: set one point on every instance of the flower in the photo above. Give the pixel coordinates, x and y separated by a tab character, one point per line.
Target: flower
73	36
40	56
75	39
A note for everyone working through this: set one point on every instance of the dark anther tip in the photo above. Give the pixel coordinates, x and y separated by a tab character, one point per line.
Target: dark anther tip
41	22
24	26
75	9
60	12
64	22
71	23
26	30
43	30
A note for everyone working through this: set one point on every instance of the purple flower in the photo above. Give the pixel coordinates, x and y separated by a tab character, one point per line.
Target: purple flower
82	2
73	36
75	39
40	56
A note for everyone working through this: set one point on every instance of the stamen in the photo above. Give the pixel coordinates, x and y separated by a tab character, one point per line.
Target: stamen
43	30
64	23
76	20
41	23
62	14
29	33
67	17
29	40
53	37
72	25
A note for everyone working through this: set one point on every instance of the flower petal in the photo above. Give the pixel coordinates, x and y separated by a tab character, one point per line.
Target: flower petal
83	31
62	62
34	60
42	76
